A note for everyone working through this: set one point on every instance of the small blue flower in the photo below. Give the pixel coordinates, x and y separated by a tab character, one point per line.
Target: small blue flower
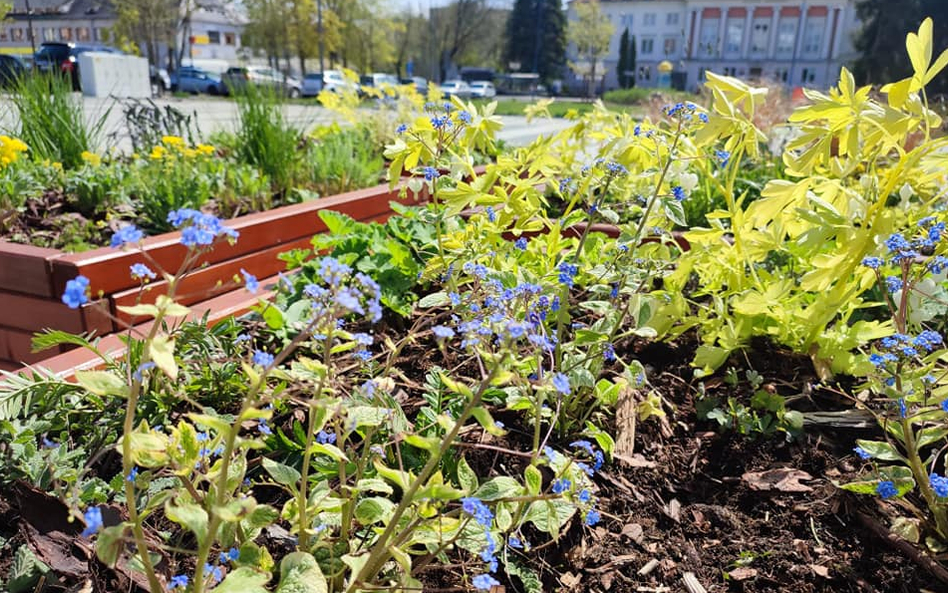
93	519
561	383
477	509
363	355
584	496
903	409
132	475
250	281
939	484
48	444
401	129
592	517
325	438
431	173
484	582
491	214
264	428
561	485
178	581
567	272
214	572
77	292
583	445
862	453
521	243
893	284
514	542
141	272
679	193
464	117
886	489
127	235
723	156
261	358
873	262
442	333
363	339
703	117
637	130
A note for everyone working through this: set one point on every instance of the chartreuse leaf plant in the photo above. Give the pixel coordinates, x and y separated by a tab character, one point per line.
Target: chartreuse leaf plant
787	266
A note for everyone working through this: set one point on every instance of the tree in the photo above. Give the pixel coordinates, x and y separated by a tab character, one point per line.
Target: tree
536	37
623	66
633	58
149	22
457	27
590	33
881	40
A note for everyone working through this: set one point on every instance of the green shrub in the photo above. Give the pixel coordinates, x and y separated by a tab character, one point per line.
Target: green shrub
341	161
52	121
264	138
633	96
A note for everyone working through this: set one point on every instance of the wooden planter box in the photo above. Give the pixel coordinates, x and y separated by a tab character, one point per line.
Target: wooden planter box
32	279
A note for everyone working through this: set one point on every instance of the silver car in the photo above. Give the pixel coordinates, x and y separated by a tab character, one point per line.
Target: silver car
456	88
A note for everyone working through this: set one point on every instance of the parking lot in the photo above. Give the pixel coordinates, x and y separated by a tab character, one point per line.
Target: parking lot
213	114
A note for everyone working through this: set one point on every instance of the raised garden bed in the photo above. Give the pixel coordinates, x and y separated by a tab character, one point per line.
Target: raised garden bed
32	278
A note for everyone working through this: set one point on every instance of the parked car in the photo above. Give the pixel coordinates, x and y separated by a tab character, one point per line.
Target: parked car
421	84
335	81
483	89
312	84
160	81
195	80
378	80
64	58
11	68
237	77
456	88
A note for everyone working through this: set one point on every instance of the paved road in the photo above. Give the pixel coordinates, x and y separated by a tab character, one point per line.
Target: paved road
221	114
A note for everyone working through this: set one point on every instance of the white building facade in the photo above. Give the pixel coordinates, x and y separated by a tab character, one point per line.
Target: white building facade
791	42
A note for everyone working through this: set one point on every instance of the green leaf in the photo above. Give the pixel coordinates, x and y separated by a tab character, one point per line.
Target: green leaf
374	510
486	421
281	474
149	449
533	479
102	383
499	487
932	434
397	477
161	351
26	571
190	516
466	476
300	573
141	310
373	485
528	577
435	299
549	516
880	450
245	580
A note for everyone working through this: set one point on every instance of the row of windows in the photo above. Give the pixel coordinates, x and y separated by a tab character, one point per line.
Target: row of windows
804	76
647	46
650	19
214	38
811	45
49	34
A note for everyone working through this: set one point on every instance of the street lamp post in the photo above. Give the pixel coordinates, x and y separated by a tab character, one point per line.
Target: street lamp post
29	20
319	27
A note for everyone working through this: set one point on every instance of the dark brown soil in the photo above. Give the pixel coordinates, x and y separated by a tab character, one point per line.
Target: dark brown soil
681	503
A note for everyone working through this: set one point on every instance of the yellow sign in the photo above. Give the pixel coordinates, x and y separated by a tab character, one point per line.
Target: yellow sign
16	51
200	40
665	66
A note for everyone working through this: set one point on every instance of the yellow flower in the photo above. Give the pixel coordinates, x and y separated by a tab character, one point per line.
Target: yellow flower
10	149
173	141
158	152
91	158
205	149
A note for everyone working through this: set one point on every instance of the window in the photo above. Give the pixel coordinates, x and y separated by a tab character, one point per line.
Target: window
813	36
4	35
645	73
671	18
16	34
230	38
82	34
648	45
649	19
669	46
734	35
760	37
214	37
807	76
626	20
786	37
708	39
49	34
65	34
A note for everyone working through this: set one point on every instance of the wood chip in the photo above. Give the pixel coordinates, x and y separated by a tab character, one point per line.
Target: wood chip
625	423
782	479
649	567
742	573
634	532
673	510
692	584
820	570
